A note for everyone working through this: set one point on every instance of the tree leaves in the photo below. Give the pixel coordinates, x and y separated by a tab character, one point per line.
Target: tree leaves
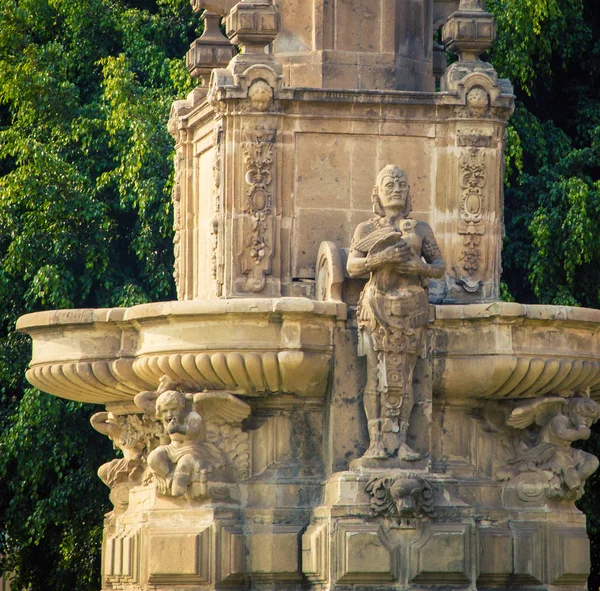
85	221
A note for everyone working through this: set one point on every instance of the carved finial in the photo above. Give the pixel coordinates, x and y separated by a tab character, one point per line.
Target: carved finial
253	25
469	31
211	50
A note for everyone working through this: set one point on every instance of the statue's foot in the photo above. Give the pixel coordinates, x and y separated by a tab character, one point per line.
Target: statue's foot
376	450
408	454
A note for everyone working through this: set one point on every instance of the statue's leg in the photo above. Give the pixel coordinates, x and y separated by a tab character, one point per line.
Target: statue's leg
372	404
183	475
160	465
588	465
405	452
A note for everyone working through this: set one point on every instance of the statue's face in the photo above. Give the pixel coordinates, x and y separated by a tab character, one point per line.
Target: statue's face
393	191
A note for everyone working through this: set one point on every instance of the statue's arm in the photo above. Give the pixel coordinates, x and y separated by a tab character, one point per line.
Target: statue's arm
561	426
430	251
357	264
100	422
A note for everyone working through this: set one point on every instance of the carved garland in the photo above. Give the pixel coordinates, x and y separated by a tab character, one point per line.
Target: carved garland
258	148
472	225
216	228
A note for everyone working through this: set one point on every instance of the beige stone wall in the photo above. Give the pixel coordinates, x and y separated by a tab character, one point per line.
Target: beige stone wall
327	148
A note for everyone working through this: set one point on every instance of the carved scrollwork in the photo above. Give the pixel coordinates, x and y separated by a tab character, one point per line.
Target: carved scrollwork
258	147
216	227
401	496
472	226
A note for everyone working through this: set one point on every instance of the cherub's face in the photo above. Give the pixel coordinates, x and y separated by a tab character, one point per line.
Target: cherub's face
581	419
260	95
172	415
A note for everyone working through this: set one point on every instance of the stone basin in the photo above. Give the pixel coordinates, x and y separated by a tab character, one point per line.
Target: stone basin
249	347
510	350
255	347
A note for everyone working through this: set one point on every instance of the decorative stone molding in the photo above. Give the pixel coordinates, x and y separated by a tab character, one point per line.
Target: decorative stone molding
211	50
472	225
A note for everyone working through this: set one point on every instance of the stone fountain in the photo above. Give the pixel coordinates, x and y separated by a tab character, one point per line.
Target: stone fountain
338	398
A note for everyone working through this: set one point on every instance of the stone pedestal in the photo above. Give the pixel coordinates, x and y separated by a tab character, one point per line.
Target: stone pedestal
338	399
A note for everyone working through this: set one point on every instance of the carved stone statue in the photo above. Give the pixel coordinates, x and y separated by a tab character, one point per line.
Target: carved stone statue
544	450
190	465
401	254
135	435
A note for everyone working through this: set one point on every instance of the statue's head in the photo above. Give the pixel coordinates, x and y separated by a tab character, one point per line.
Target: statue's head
391	194
584	411
171	408
260	95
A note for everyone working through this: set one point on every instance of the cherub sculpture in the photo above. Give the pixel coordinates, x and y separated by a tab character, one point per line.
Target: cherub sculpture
550	425
127	434
190	465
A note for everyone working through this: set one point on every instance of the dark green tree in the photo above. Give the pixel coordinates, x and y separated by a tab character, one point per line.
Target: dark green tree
550	49
85	221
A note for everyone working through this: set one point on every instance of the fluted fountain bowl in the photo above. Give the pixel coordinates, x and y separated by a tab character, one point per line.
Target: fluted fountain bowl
246	346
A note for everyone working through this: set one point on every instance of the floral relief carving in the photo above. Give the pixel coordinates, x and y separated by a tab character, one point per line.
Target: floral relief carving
216	226
258	148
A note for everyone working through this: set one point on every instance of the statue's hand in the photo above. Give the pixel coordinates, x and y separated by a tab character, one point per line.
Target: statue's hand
413	266
584	432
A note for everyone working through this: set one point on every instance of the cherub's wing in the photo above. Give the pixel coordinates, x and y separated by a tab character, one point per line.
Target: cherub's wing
223	405
536	411
146	401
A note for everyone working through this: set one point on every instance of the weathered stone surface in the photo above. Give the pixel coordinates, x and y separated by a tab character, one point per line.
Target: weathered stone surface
260	450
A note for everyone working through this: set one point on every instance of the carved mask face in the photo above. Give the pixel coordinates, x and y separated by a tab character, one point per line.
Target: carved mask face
261	95
477	101
393	191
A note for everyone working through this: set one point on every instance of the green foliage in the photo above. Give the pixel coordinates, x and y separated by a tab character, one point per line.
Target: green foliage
550	50
85	221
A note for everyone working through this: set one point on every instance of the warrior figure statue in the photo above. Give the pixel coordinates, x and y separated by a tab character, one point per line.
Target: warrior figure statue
401	255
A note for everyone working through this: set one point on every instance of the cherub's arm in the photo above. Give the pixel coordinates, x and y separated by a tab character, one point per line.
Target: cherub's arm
146	401
100	422
562	427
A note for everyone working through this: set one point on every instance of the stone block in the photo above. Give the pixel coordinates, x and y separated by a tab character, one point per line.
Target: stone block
274	552
441	555
176	558
495	557
569	556
362	556
315	553
528	554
